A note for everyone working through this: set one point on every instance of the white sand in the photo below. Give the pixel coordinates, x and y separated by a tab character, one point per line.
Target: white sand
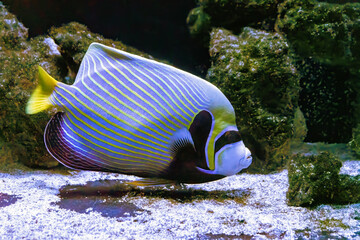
264	214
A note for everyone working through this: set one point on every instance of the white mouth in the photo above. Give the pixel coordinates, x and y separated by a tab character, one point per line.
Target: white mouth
230	160
248	160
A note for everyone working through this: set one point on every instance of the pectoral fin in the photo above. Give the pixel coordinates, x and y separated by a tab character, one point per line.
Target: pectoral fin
180	140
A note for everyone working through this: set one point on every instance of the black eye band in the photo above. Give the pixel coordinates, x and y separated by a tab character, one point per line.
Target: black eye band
227	138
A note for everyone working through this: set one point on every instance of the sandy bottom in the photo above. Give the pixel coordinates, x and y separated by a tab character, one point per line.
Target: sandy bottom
91	205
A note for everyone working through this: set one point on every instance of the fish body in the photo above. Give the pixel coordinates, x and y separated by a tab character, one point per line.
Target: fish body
132	115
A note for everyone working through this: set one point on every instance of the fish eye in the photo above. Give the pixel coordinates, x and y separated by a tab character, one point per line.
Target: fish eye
227	138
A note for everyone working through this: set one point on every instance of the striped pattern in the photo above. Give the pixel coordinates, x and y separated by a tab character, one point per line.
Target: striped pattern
123	110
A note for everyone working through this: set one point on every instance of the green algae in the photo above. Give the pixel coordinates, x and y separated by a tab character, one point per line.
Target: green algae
254	69
9	158
332	223
315	180
255	72
327	32
300	128
22	134
199	24
12	32
325	38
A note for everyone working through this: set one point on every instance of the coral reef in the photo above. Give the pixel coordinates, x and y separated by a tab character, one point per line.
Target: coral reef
315	179
255	72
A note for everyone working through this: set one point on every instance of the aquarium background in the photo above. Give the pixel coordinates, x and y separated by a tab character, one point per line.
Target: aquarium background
289	67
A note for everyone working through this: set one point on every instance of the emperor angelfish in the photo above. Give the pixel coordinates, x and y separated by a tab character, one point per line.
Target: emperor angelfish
136	116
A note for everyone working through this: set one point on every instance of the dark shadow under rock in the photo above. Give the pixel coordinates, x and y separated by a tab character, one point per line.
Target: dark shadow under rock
7	200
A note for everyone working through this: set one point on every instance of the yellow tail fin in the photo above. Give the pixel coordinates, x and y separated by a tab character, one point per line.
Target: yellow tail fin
39	99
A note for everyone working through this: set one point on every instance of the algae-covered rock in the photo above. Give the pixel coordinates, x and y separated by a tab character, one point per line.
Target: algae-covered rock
315	180
199	23
349	189
232	15
21	135
255	72
329	33
326	40
12	32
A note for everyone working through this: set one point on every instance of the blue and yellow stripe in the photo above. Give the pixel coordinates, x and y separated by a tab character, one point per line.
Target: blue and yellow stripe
122	112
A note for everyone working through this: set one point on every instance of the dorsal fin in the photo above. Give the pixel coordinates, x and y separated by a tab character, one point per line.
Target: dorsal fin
94	48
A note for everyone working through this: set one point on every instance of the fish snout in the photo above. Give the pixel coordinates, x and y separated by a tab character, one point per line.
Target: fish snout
247	160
